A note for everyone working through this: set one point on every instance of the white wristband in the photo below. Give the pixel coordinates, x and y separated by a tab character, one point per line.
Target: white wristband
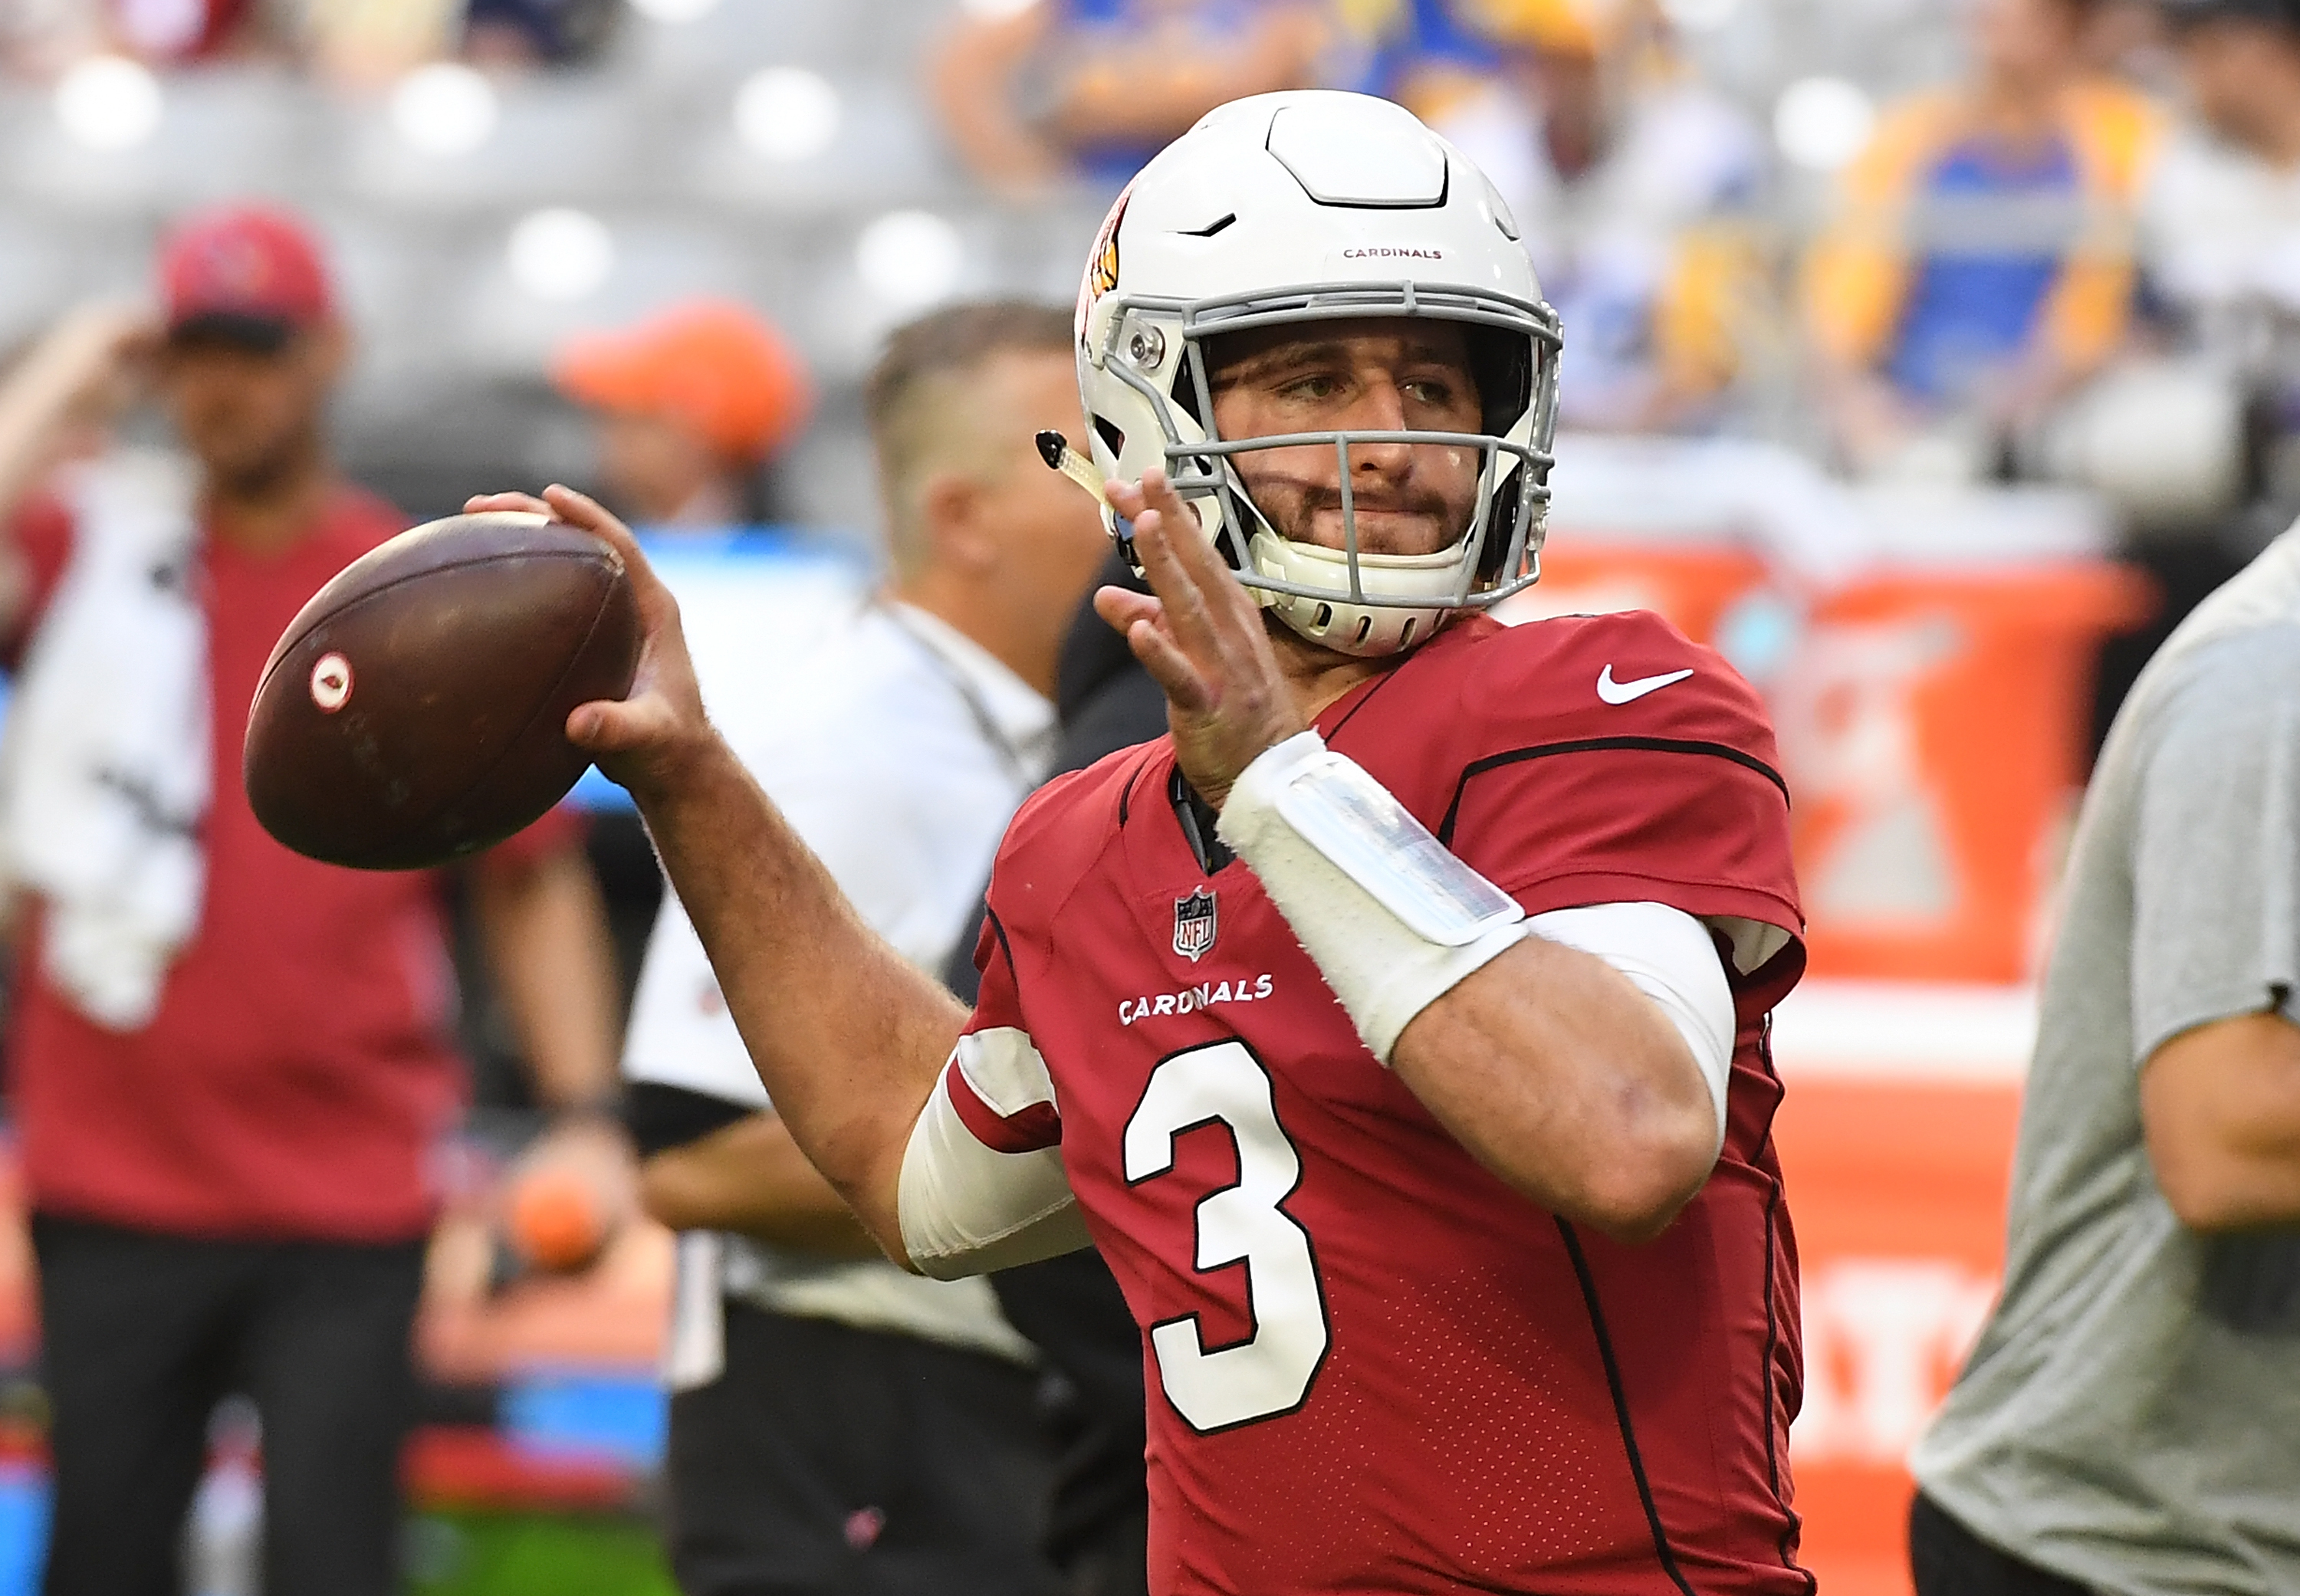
1392	921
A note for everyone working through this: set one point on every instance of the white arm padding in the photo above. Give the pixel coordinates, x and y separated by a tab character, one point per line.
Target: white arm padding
967	1209
1667	955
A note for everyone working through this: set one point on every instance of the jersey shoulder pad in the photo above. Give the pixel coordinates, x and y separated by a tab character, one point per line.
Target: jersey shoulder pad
1059	833
1625	675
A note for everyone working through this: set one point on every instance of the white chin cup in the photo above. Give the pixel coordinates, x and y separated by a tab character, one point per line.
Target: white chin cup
1395	623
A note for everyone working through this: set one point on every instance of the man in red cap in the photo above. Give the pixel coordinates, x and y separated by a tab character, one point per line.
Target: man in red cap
230	1066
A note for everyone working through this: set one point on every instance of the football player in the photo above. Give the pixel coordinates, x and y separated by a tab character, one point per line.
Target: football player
1396	1026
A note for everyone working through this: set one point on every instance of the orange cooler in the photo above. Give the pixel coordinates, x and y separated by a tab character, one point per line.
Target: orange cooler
1933	725
1694	585
1926	653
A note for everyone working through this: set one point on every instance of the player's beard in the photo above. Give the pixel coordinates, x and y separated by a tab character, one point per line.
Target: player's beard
1294	508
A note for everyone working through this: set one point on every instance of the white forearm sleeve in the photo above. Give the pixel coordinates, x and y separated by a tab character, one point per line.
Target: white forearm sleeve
1667	955
967	1209
1393	920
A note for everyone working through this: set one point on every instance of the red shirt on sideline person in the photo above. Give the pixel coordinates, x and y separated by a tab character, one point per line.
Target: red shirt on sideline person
288	1075
301	1065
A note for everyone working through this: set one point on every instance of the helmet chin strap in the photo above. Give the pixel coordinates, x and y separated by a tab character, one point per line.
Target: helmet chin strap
1390	621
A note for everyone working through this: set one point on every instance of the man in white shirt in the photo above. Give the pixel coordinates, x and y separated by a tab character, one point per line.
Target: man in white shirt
2219	237
837	1424
2222	214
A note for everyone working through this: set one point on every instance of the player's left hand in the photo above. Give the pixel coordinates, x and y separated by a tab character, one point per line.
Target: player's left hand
1202	640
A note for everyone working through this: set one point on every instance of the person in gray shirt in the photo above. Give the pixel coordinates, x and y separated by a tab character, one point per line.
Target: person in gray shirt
2129	1423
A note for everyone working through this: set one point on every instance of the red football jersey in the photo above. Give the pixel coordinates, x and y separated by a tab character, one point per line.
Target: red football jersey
1372	1367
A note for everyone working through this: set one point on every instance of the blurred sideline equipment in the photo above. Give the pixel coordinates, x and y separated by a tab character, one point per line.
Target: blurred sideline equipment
2161	440
414	711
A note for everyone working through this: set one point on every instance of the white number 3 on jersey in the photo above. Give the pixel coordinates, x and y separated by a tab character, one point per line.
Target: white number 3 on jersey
1270	1372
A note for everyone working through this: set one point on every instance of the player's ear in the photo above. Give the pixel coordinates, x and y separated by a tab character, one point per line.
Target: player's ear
959	513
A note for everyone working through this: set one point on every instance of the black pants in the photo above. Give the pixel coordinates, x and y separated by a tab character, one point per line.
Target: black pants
1949	1559
1098	1523
142	1334
832	1461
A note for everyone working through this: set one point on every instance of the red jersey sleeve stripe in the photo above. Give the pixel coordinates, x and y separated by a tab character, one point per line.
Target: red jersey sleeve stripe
1722	750
999	1085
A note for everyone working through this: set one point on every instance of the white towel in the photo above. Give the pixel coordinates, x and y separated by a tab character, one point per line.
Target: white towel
106	777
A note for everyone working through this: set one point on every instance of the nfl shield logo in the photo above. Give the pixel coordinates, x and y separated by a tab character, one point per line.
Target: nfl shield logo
1194	925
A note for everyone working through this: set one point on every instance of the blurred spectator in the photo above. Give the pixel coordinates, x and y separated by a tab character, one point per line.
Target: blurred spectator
229	1065
176	32
517	33
1632	183
1098	86
2216	427
690	408
691	405
2223	216
40	37
837	1424
1423	53
370	41
2125	39
1981	266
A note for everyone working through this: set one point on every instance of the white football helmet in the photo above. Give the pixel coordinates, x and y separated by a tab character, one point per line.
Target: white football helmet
1309	206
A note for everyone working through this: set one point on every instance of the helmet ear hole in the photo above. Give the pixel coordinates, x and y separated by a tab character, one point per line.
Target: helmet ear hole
1504	374
1501	528
1184	396
1112	438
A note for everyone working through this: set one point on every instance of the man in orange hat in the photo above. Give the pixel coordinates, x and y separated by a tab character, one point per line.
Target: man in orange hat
229	1066
691	403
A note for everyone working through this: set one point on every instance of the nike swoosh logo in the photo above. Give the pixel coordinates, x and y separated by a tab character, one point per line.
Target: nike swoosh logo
1613	692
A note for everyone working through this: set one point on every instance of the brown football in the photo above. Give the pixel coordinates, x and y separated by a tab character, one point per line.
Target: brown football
415	709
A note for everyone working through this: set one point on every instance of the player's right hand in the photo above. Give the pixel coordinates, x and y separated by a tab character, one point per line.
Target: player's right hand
646	741
94	345
1200	636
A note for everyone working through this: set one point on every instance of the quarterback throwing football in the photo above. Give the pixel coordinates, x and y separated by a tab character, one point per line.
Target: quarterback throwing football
1396	1026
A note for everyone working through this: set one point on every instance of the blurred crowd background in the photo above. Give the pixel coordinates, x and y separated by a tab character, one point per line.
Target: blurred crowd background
1878	231
1930	288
